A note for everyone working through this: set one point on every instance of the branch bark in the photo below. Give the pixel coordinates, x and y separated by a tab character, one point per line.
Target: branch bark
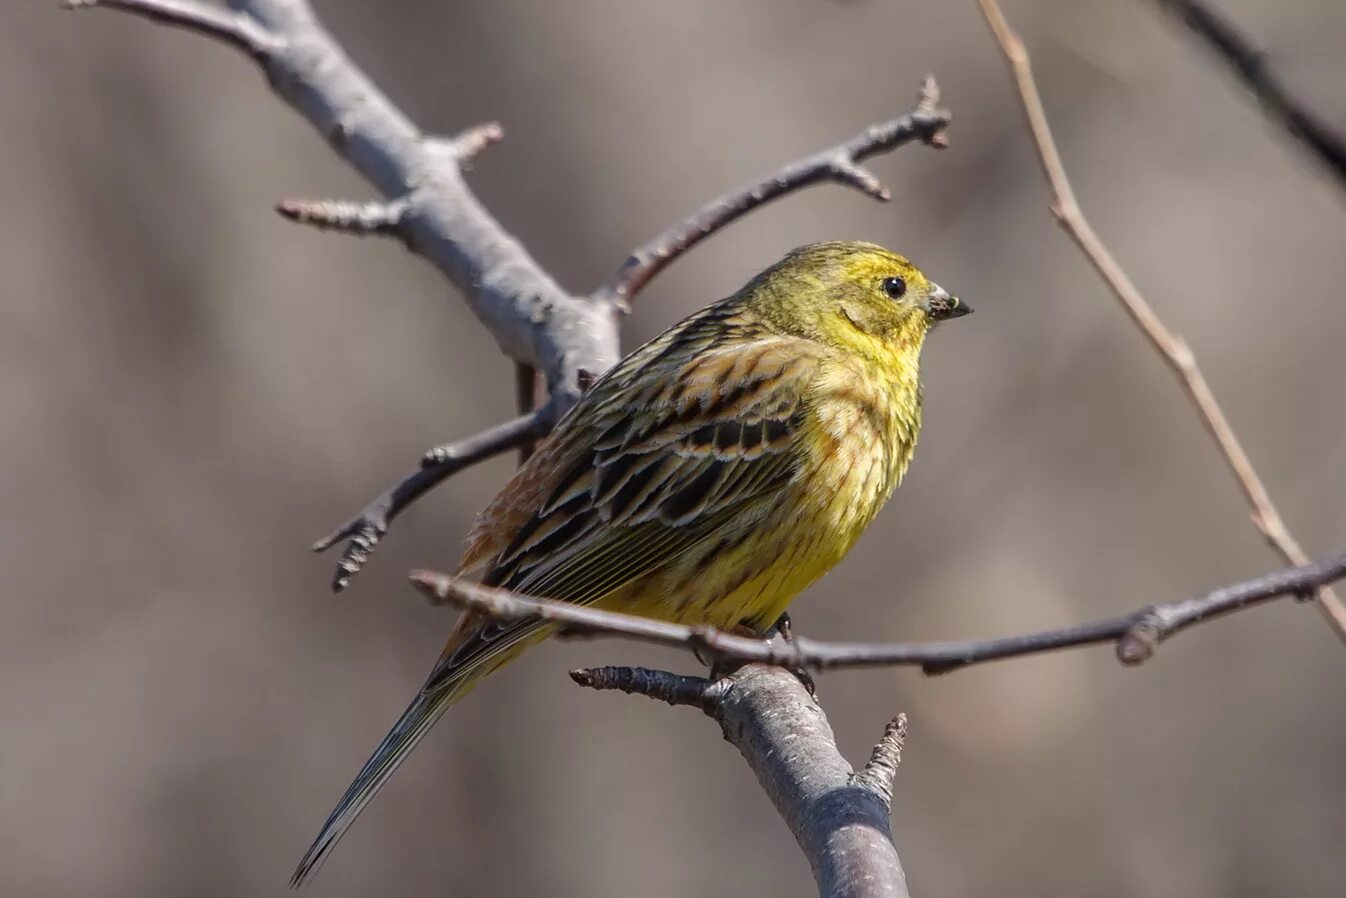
1135	636
839	817
1177	355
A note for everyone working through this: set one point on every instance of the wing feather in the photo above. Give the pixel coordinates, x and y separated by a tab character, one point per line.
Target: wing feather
682	441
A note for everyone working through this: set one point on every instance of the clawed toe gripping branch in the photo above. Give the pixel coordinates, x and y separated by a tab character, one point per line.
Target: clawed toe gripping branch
562	340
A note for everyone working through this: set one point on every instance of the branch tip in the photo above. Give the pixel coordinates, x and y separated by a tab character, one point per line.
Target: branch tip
357	218
880	772
472	141
859	177
371	523
673	689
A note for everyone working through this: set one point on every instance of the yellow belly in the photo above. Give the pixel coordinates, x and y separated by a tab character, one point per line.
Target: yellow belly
752	578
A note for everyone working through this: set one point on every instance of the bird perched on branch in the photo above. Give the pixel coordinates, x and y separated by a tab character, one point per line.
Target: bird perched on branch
707	478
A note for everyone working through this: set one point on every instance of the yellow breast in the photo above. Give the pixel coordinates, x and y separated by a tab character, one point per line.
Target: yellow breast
859	439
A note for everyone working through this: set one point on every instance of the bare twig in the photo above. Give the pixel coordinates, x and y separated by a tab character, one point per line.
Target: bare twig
880	773
660	685
365	529
838	817
1174	350
841	163
360	219
1248	63
471	141
1136	636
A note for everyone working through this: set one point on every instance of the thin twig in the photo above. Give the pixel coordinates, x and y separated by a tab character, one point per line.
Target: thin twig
365	529
879	775
1248	63
470	142
660	685
1174	350
841	163
362	219
238	29
1136	635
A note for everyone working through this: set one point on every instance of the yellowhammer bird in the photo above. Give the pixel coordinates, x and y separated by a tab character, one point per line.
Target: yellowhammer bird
708	478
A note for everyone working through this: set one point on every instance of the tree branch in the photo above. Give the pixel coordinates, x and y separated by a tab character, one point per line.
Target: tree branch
1135	636
880	772
1174	350
366	528
360	219
841	163
532	319
839	817
1248	63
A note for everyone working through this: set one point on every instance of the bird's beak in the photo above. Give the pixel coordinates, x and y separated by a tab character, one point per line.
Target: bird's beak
944	305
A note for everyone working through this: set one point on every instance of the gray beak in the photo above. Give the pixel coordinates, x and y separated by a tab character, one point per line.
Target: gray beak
944	305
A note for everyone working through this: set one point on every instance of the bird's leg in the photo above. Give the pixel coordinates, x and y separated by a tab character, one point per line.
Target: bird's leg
784	629
781	629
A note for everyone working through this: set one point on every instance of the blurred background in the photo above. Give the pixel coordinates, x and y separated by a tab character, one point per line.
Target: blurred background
193	390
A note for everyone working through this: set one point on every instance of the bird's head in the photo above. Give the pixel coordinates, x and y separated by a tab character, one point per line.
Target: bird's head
856	295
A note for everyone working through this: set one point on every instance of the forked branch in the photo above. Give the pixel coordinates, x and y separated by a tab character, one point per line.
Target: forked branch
839	817
841	163
1171	347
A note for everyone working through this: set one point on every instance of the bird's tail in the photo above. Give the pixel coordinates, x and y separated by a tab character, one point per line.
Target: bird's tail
455	675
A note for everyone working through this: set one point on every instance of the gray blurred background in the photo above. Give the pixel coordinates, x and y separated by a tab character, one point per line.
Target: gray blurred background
193	390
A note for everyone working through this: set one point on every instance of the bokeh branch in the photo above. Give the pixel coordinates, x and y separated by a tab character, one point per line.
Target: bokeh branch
1173	349
926	122
1135	636
1248	63
839	817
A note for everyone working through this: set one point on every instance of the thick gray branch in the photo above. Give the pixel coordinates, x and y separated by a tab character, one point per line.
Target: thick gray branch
838	816
533	320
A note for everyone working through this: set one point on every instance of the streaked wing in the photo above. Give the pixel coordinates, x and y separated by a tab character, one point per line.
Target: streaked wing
683	441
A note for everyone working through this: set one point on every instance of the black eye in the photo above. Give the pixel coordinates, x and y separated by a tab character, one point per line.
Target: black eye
895	287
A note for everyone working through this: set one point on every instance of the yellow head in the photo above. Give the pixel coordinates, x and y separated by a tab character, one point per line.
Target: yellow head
853	295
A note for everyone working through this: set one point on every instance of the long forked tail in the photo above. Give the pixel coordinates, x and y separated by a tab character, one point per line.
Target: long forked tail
410	728
476	648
